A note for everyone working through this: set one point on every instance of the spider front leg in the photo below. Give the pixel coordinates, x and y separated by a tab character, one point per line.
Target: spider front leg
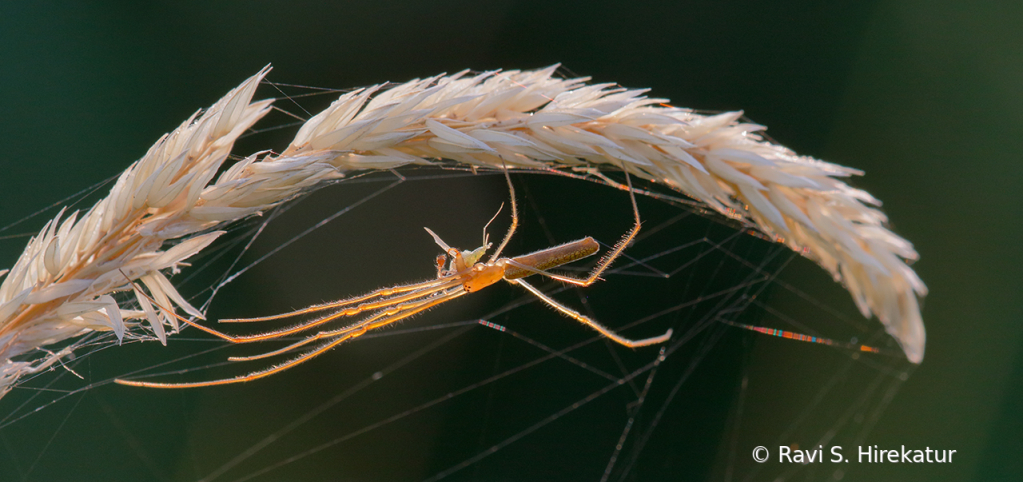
343	335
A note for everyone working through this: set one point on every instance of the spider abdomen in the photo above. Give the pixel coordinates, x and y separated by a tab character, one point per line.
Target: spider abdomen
552	257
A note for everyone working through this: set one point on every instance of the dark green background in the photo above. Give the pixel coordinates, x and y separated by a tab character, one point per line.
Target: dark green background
923	96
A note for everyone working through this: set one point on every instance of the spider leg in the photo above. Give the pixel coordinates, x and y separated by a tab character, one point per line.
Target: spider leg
514	221
620	246
392	312
361	330
223	336
589	322
440	285
384	303
389	291
242	378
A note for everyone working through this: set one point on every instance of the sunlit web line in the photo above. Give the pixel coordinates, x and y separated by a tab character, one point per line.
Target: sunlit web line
92	341
16	415
133	442
852	347
300	120
78	197
19	235
633	408
293	99
735	419
21	412
52	437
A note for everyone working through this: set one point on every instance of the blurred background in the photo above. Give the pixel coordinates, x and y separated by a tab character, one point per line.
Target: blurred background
923	96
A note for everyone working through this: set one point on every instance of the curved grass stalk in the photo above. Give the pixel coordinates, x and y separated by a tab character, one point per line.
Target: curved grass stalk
167	206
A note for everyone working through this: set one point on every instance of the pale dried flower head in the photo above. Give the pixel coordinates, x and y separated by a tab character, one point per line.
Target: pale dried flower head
166	206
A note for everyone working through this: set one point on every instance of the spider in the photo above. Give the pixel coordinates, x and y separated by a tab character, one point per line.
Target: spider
464	273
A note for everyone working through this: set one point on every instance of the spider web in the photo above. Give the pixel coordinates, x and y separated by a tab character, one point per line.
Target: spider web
492	386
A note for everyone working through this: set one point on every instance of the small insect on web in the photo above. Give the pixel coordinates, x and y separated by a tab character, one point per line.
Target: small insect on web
465	274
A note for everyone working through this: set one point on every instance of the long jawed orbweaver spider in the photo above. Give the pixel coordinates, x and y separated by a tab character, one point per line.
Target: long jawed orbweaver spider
465	273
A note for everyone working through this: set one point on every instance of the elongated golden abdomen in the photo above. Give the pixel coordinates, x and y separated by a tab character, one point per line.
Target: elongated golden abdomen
552	257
